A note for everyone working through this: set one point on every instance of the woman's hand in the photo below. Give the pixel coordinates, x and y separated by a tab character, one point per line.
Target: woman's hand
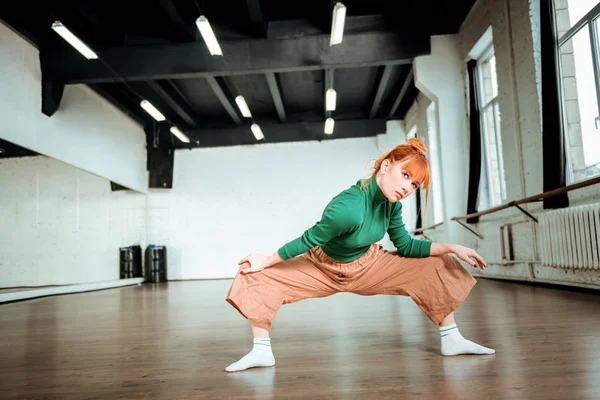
466	254
254	262
257	262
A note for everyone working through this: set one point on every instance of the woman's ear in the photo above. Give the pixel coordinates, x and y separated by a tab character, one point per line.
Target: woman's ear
385	165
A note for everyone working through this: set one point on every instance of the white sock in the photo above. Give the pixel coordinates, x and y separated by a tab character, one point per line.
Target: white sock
260	356
453	343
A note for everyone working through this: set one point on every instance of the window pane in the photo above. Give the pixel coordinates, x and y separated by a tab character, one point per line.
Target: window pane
489	84
493	151
434	151
501	175
494	76
569	12
580	105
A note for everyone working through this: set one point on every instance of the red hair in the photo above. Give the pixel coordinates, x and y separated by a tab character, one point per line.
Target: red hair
414	154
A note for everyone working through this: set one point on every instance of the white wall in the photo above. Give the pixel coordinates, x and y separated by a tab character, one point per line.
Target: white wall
515	29
228	202
86	132
439	77
61	225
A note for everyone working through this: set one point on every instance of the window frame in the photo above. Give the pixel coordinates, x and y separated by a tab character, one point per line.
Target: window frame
590	19
487	54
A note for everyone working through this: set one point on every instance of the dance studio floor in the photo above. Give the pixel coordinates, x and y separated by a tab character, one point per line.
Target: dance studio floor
172	341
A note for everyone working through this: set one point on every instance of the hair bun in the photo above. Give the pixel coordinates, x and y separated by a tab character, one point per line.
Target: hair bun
418	145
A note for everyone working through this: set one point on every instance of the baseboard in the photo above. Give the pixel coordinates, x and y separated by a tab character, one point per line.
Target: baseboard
542	282
67	289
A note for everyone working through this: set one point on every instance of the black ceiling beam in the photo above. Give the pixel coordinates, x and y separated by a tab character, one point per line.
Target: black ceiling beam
383	83
186	113
52	88
11	150
279	133
405	86
179	94
182	98
24	29
273	84
260	27
101	32
329	79
52	92
322	16
221	90
192	60
182	31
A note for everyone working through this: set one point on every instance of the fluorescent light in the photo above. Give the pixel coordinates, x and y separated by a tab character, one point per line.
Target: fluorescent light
209	36
337	25
330	99
150	109
74	40
257	132
241	102
329	122
175	131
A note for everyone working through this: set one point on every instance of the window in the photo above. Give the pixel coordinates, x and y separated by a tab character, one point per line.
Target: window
493	165
578	26
434	158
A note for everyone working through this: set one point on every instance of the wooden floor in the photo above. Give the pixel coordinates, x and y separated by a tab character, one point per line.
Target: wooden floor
172	341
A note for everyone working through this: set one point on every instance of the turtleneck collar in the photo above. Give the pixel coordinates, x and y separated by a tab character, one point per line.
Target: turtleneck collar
374	193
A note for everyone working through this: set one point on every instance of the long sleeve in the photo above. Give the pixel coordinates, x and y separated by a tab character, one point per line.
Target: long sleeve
406	245
342	215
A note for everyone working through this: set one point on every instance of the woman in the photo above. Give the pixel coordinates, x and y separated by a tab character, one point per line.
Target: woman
339	254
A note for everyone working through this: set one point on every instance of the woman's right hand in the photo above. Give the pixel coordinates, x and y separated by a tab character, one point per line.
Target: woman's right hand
254	262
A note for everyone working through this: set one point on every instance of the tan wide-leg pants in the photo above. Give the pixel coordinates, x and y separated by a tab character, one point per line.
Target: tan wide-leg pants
437	284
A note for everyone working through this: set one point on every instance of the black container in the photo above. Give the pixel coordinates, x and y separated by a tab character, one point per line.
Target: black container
155	264
130	262
137	261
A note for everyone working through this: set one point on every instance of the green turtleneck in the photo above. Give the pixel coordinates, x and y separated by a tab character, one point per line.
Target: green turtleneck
354	220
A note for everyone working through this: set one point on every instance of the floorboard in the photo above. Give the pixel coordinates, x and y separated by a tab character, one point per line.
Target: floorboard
172	341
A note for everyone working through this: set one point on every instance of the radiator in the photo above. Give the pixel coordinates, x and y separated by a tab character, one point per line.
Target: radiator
570	237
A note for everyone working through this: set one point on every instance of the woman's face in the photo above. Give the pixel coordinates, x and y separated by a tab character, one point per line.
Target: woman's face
395	182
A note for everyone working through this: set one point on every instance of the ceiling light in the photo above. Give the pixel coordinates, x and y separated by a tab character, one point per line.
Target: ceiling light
209	36
2	151
150	109
241	102
337	25
329	126
175	131
257	132
330	99
74	40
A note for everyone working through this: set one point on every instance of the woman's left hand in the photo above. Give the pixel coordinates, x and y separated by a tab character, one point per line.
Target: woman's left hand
466	254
